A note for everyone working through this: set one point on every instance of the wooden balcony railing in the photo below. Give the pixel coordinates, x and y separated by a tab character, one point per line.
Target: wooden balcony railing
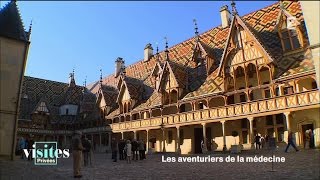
293	101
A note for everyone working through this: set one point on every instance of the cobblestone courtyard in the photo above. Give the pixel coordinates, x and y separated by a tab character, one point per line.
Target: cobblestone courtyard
304	164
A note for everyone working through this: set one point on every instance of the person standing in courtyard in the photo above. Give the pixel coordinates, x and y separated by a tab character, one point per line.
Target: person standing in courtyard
128	149
87	147
134	149
306	139
257	140
290	142
141	150
77	149
114	149
311	143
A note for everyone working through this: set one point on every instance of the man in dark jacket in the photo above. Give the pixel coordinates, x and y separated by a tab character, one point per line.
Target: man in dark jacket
87	147
135	150
114	149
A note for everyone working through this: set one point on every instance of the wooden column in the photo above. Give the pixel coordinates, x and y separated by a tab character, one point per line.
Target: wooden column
178	150
205	149
224	136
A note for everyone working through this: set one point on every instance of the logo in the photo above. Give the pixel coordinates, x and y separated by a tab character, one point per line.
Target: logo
46	153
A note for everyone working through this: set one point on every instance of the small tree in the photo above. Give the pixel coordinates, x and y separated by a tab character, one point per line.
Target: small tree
235	134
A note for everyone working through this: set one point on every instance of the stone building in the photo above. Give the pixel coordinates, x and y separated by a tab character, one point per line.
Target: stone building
258	73
14	46
255	74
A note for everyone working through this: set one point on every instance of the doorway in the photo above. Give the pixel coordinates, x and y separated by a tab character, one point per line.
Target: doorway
198	137
304	128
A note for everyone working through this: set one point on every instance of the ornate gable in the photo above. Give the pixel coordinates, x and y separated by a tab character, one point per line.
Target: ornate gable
242	47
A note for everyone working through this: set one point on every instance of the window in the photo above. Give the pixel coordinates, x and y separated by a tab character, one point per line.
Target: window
288	90
290	39
67	111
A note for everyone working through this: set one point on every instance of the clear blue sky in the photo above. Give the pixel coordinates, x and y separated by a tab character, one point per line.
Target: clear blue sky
88	36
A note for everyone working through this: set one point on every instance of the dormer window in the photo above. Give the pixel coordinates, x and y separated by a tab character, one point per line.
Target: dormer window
290	39
289	32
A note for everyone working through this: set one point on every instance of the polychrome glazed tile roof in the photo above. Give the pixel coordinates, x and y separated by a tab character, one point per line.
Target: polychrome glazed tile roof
262	24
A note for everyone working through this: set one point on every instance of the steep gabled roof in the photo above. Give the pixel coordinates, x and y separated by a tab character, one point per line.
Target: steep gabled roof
237	20
261	24
11	25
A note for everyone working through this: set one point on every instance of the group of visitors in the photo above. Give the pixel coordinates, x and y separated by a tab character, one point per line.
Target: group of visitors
81	149
128	150
260	141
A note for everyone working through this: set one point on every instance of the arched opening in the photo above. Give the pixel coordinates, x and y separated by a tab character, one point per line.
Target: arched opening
174	96
116	120
240	78
256	94
265	75
229	83
127	118
306	84
185	107
169	110
216	102
122	118
202	104
230	99
165	98
156	112
252	75
135	116
145	115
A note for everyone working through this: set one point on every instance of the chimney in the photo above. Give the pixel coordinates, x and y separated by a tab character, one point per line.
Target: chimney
148	52
225	16
119	66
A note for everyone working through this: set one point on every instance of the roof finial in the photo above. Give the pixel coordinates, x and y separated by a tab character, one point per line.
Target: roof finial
30	28
196	27
100	77
157	54
85	81
281	5
234	9
166	51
